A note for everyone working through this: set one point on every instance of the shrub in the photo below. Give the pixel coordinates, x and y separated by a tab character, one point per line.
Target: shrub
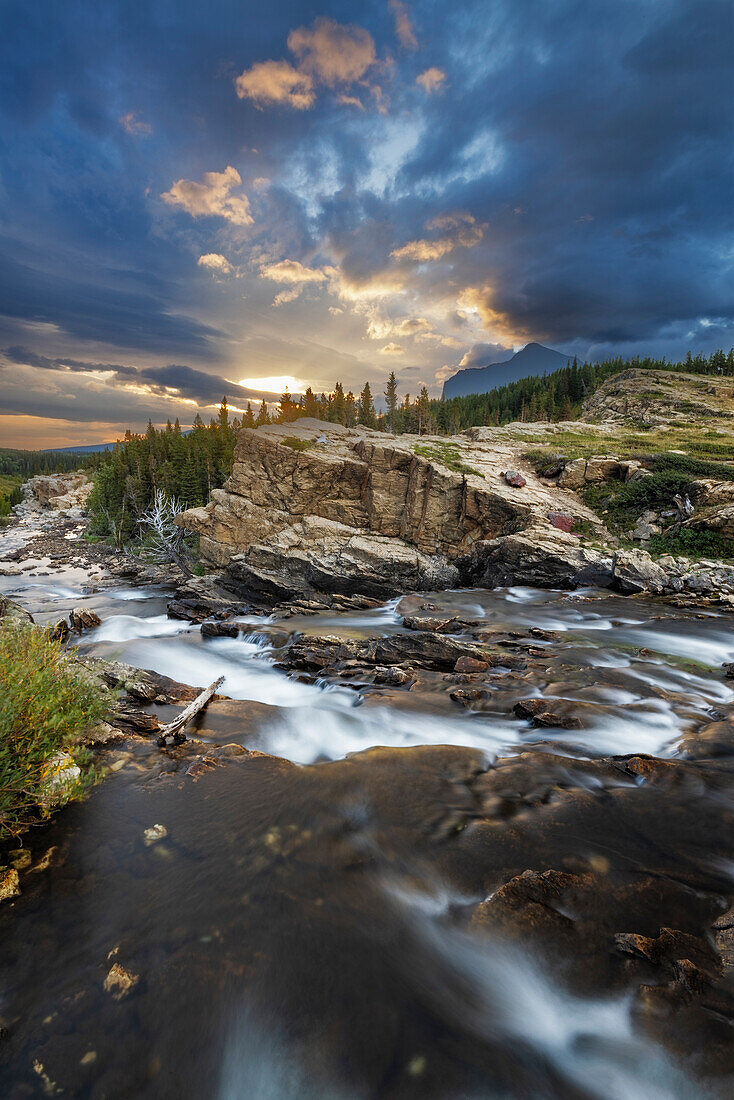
46	702
692	544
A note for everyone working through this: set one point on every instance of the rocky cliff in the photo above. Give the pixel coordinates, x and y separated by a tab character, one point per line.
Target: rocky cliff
315	507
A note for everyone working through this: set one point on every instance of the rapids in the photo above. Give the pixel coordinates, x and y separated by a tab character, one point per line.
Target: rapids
300	931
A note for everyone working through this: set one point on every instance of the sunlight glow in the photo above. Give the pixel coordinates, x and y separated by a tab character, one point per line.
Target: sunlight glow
274	384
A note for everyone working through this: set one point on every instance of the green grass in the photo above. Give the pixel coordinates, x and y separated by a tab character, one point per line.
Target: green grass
46	703
9	492
297	444
447	454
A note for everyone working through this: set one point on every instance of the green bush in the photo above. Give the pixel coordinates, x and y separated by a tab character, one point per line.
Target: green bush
692	544
46	702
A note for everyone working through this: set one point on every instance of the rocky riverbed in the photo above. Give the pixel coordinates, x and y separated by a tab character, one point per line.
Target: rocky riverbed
454	844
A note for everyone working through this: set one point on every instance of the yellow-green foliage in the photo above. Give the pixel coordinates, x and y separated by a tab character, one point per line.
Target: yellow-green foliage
46	702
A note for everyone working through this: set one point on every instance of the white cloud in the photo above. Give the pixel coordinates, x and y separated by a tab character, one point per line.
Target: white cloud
403	26
431	80
216	263
391	349
212	197
289	295
134	125
276	82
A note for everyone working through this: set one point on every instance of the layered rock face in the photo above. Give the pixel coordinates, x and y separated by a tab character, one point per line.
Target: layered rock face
66	493
312	506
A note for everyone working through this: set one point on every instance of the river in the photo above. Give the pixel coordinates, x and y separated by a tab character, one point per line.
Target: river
300	925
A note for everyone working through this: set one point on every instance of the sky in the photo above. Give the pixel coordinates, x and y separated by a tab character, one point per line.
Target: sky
225	198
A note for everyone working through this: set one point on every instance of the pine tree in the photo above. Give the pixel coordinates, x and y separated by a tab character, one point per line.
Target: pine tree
338	406
223	418
391	398
366	408
248	420
262	416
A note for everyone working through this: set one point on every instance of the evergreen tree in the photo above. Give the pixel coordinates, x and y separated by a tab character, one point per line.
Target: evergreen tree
366	408
391	398
262	416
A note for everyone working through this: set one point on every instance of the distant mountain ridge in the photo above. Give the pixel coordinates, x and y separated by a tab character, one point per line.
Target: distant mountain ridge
85	449
532	359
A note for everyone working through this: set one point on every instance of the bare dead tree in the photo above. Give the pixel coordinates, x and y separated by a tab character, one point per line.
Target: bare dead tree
166	538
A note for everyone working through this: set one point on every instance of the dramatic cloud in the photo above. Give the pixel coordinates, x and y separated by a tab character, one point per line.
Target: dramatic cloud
588	149
481	355
212	197
216	263
276	82
431	80
403	26
134	125
465	233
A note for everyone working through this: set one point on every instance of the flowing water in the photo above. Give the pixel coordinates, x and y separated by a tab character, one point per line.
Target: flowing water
298	928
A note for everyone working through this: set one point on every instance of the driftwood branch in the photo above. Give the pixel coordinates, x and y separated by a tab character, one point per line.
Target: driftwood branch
175	728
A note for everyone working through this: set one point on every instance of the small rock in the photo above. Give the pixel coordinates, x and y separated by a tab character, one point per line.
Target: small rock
466	696
214	629
59	778
728	670
154	834
515	478
9	884
119	982
59	631
562	520
470	664
392	676
81	618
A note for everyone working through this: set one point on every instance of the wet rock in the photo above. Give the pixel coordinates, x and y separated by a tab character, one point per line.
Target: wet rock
723	930
471	664
467	696
9	883
60	777
59	631
544	635
216	629
392	676
635	572
541	714
515	479
542	558
729	670
119	982
82	618
154	834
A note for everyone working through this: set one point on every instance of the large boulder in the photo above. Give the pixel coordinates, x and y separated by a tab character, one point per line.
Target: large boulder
541	557
315	507
64	493
635	571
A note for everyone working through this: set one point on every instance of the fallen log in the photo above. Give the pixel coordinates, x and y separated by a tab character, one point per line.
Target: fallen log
175	728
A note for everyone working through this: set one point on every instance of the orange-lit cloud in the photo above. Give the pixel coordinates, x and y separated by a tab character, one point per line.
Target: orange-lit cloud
391	349
431	80
276	82
334	53
212	197
134	125
465	232
216	263
403	26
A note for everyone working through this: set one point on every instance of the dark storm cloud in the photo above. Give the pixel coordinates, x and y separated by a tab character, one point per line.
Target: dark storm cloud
595	141
169	381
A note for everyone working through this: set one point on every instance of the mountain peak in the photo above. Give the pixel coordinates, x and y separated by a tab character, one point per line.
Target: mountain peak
534	358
